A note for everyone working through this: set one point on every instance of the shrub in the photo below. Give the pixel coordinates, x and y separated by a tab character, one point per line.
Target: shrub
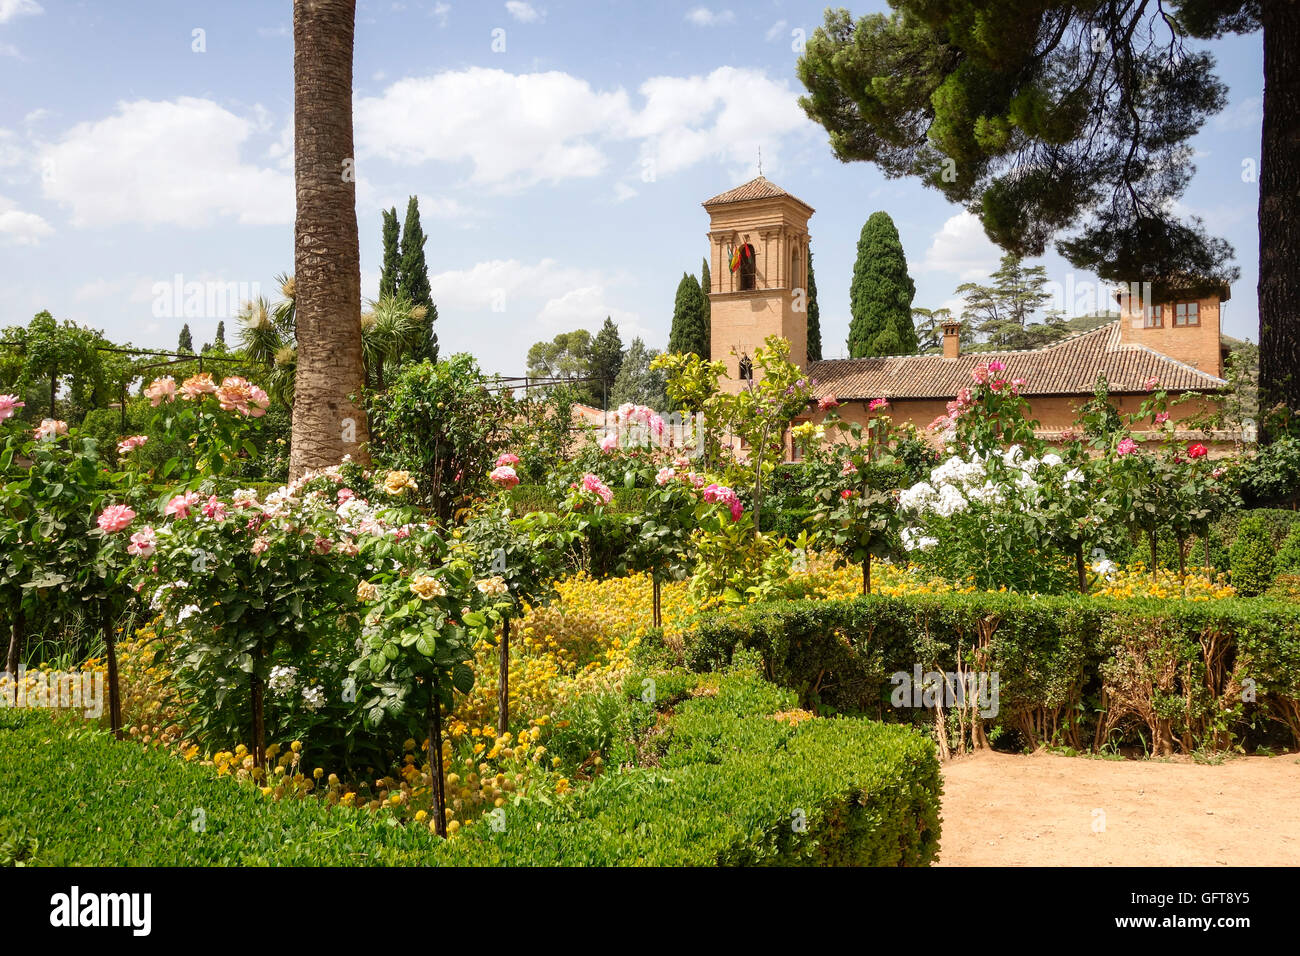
739	779
1252	558
139	806
1072	671
1287	559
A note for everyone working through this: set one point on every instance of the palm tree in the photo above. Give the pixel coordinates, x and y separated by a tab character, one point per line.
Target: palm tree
390	332
266	335
328	421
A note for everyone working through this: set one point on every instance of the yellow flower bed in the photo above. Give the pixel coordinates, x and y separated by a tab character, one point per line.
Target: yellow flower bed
1135	581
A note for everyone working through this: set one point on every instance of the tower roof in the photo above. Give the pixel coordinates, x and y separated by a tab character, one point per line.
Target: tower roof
757	188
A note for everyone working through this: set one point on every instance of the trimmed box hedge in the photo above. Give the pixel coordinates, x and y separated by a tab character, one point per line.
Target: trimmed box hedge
721	782
726	783
1073	671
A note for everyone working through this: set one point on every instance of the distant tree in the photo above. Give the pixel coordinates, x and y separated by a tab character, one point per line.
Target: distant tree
220	341
186	341
814	316
1001	312
606	359
413	280
688	333
566	357
880	298
637	382
929	327
390	270
392	331
706	283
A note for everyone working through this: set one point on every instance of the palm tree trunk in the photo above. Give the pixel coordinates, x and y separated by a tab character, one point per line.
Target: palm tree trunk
328	419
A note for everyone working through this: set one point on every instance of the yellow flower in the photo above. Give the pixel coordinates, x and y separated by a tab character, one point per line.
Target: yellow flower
397	483
367	591
426	586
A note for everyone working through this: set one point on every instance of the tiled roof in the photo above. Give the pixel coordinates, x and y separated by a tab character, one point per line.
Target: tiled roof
758	188
1068	367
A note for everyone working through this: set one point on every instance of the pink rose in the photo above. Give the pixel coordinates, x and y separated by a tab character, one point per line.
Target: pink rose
259	546
49	428
827	402
507	459
877	404
345	495
196	386
323	545
980	373
114	518
664	476
1162	418
143	543
8	405
1150	384
161	389
1126	447
214	509
736	509
597	487
128	445
608	442
179	506
996	366
504	476
849	469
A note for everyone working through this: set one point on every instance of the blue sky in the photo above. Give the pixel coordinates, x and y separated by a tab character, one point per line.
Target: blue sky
560	174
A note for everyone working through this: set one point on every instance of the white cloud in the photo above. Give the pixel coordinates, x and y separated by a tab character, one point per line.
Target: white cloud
514	130
774	31
21	228
439	12
586	307
17	8
623	192
175	162
962	248
495	284
524	12
704	17
727	115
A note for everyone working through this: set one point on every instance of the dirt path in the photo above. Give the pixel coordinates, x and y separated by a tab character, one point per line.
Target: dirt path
1049	810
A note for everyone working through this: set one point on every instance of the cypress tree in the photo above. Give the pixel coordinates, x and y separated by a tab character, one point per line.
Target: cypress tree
814	316
186	341
687	334
413	280
706	283
390	271
880	298
220	341
606	359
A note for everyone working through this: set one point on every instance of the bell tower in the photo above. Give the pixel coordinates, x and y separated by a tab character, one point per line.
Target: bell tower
758	265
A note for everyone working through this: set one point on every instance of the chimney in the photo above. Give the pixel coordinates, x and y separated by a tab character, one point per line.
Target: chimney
951	340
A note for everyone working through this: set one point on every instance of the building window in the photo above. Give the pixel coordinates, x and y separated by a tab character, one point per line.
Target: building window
1187	313
748	268
746	369
1154	317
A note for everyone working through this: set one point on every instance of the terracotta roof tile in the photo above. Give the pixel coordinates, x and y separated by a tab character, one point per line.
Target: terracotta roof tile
1068	367
758	188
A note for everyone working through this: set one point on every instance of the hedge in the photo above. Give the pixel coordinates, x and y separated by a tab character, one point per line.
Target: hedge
719	782
725	783
1081	672
74	796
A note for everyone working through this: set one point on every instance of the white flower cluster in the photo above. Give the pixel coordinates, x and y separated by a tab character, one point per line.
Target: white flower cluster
283	680
994	480
916	540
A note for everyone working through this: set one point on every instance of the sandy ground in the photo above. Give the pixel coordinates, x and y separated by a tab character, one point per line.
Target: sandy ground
1049	810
